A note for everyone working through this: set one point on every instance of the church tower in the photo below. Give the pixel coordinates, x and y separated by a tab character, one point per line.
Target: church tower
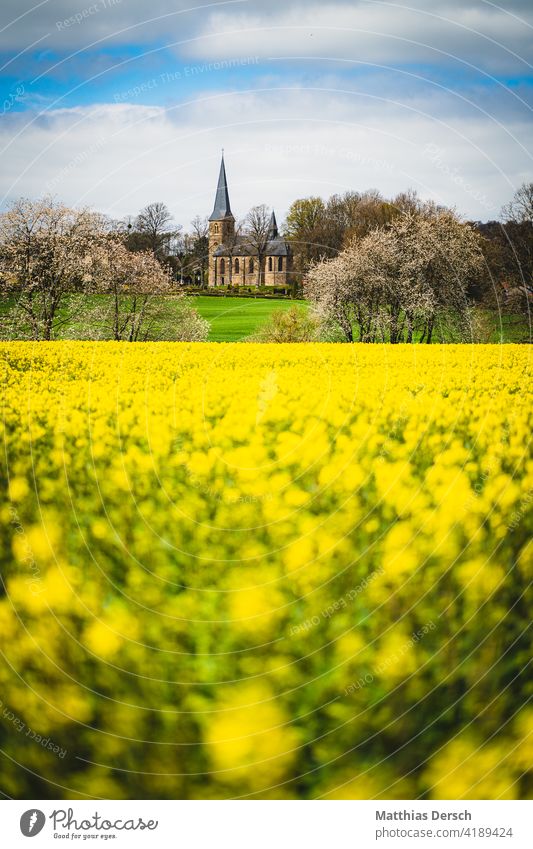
221	228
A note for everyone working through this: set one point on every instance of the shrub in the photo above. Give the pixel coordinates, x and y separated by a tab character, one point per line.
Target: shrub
296	324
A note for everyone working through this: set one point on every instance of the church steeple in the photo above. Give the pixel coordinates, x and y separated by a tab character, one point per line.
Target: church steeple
273	227
222	208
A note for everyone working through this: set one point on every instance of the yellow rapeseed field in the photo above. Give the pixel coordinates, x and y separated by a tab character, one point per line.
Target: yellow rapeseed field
265	571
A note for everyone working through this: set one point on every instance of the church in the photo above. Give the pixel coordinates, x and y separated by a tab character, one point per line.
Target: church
233	259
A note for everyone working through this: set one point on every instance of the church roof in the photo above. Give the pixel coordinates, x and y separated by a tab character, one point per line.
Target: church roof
222	208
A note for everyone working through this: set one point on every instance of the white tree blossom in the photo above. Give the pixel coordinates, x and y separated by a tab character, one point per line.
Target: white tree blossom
45	251
401	279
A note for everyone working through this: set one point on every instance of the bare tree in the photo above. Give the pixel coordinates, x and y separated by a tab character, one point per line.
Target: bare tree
408	201
520	208
257	225
200	227
199	247
47	254
306	228
156	227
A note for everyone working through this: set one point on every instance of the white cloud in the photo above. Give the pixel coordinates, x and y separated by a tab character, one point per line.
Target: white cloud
280	145
493	36
66	25
374	32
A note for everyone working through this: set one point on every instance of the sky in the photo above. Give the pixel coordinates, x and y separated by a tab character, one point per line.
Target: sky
114	104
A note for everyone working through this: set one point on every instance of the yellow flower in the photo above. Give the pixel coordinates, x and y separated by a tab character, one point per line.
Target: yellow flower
465	770
18	488
300	553
400	556
102	639
523	727
219	552
480	579
106	636
396	656
255	610
250	740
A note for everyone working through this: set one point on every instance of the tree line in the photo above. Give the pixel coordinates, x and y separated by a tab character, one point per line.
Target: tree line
375	269
186	254
53	257
402	269
55	262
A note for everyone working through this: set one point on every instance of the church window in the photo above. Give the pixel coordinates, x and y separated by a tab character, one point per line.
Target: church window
237	266
280	263
270	263
222	266
251	265
215	228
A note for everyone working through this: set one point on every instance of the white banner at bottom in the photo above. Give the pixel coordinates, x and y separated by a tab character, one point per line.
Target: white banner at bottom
263	825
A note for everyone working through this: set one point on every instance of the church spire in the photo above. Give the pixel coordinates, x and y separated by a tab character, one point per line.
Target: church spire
222	208
273	227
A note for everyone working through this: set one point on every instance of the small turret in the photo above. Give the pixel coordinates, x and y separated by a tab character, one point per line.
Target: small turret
273	227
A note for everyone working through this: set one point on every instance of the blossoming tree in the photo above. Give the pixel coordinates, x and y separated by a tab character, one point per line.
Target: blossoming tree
399	281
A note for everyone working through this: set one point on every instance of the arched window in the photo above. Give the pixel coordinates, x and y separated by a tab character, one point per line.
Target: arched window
237	266
270	263
251	266
280	263
222	266
215	228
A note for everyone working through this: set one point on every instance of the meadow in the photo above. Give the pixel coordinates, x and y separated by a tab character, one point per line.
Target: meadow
234	319
266	571
231	319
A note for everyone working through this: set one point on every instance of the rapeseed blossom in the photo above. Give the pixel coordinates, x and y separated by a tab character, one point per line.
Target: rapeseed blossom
266	571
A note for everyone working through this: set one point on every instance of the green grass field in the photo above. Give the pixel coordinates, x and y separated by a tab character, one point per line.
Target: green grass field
232	319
